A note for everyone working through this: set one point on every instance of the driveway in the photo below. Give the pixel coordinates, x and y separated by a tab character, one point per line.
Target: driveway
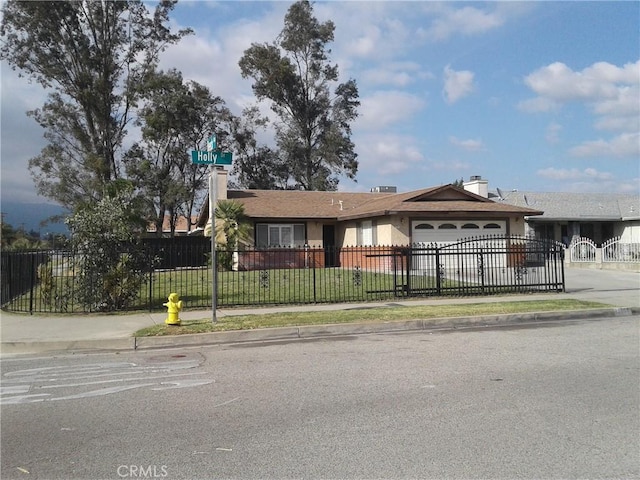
615	287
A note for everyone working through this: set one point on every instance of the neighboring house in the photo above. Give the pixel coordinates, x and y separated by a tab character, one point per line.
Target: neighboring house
597	216
383	217
182	226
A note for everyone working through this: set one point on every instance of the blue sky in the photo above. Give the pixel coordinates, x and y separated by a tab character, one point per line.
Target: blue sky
533	96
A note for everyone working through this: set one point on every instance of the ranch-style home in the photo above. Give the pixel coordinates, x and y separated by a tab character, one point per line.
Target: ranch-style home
382	217
569	215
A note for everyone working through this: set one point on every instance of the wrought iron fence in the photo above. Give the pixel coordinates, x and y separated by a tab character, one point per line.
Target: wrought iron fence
48	281
614	250
583	249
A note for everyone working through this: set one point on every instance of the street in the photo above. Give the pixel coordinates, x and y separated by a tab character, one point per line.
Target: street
554	400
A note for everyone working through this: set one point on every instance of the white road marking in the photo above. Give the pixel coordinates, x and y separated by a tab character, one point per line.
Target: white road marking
42	384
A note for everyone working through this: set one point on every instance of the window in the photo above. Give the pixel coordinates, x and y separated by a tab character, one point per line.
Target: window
424	226
470	225
491	225
366	233
273	235
447	226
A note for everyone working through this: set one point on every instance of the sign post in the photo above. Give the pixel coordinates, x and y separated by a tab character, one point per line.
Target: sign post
213	200
212	144
212	156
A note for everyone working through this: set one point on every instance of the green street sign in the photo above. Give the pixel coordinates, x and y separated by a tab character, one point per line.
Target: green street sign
211	158
212	143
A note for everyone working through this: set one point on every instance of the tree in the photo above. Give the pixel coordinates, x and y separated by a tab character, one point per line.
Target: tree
231	229
176	117
232	225
294	73
93	55
105	236
257	167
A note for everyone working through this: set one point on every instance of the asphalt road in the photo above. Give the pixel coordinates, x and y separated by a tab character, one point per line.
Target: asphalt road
559	400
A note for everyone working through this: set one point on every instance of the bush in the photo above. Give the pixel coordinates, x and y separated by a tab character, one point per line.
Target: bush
109	279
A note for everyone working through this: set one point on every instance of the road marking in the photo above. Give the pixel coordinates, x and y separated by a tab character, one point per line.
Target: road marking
226	403
71	382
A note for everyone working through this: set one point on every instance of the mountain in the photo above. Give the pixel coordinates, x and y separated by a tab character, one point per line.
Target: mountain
28	216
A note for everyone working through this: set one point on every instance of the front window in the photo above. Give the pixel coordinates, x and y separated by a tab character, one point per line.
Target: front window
283	235
366	233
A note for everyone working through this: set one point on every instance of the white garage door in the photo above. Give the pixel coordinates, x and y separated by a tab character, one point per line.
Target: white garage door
454	231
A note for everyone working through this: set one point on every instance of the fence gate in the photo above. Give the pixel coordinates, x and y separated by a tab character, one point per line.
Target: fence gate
582	250
482	265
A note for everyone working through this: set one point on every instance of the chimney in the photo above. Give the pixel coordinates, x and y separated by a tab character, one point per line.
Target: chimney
477	185
221	186
220	194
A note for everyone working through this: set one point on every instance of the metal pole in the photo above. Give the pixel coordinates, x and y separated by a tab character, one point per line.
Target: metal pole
213	180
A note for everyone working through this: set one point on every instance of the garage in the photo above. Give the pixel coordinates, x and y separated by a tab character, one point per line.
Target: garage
448	231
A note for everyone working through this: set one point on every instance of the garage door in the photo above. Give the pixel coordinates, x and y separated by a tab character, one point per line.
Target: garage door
454	231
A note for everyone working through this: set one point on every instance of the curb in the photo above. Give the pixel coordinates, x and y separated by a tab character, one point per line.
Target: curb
328	330
308	332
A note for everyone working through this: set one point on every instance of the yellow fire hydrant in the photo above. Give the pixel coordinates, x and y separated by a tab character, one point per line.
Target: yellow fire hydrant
174	305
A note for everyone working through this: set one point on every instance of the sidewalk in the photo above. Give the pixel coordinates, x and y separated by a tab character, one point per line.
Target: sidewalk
23	333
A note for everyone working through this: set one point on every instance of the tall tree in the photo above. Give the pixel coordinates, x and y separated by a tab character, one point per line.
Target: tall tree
313	133
92	56
255	166
176	117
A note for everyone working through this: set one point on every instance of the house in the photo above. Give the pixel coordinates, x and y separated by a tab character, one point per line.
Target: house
382	217
181	227
597	216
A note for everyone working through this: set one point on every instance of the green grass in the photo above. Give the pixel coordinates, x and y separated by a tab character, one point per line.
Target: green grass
257	287
378	314
266	287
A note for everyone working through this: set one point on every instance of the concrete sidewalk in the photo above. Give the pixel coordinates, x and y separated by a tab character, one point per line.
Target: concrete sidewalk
23	333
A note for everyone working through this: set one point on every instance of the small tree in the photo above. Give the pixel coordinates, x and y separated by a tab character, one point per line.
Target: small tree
231	230
105	237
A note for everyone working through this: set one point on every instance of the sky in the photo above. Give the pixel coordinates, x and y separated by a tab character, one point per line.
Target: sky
531	96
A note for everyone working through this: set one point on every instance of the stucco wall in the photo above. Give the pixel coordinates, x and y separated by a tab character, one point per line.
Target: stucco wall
629	232
314	234
516	226
393	231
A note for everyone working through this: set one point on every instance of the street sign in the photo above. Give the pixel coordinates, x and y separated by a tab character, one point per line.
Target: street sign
212	143
211	158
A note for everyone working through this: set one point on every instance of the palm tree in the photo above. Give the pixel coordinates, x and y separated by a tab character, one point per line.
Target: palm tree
232	229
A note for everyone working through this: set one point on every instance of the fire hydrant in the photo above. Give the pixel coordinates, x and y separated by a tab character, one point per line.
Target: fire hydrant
174	305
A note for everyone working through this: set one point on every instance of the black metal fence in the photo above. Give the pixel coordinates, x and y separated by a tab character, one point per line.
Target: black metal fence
47	281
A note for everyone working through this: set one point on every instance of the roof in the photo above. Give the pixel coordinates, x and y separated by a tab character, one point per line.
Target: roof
341	206
181	224
577	206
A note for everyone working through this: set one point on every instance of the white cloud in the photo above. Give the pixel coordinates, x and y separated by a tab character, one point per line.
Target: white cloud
397	74
470	145
367	31
573	174
466	21
625	145
387	154
457	84
612	94
385	108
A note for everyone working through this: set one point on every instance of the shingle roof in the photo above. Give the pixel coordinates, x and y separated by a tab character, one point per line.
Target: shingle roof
295	204
578	206
446	198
